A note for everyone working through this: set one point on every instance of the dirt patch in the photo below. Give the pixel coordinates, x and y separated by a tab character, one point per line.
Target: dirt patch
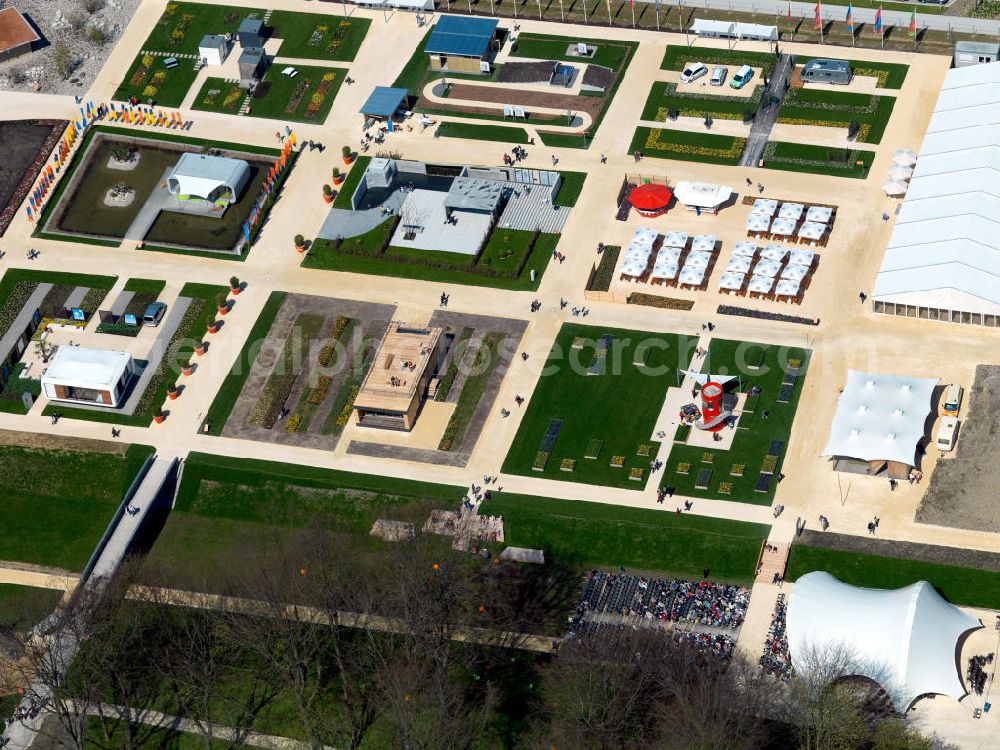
59	443
962	489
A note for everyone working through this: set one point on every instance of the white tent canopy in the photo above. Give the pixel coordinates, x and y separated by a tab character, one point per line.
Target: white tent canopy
701	194
207	177
880	417
704	377
904	639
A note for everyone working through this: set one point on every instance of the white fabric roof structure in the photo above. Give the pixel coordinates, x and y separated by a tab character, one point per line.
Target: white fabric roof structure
703	243
812	230
698	259
945	248
791	210
208	177
793	273
701	194
802	257
760	284
704	377
765	206
758	223
745	248
666	269
644	236
738	264
692	276
732	280
774	252
784	227
668	254
675	239
880	417
904	639
81	367
708	27
787	287
819	214
765	267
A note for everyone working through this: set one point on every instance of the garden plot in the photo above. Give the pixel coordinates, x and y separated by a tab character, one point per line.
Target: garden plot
301	386
864	114
307	97
590	420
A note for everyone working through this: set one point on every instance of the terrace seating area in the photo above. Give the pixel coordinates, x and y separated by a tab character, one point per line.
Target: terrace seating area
774	272
790	222
719	644
775	659
607	596
673	259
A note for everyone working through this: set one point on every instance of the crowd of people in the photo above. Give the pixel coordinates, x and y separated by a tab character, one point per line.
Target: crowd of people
975	675
775	658
719	644
697	603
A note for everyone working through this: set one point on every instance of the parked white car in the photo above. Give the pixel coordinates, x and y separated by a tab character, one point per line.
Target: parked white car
693	71
719	74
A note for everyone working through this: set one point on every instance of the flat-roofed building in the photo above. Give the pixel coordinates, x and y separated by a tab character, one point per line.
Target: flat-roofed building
17	35
462	44
98	377
395	387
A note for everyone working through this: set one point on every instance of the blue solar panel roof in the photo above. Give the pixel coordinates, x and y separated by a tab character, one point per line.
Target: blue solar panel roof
384	101
461	35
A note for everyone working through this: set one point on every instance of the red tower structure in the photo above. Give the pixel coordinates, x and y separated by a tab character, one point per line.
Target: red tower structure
712	418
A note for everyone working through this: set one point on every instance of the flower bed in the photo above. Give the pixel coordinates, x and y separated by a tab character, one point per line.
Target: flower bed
680	144
292	423
655	300
283	377
296	98
746	312
336	332
707	458
684	468
567	464
769	464
644	450
345	412
541	459
725	488
721	107
161	377
318	394
604	272
737	470
636	474
617	462
319	96
454	360
16	300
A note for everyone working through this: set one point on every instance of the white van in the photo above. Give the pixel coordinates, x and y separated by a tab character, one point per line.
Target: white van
952	400
946	434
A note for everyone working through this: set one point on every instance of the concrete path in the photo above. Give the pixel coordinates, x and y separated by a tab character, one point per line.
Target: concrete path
767	114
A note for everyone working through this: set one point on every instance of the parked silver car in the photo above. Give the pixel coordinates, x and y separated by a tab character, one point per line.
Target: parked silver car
719	74
693	71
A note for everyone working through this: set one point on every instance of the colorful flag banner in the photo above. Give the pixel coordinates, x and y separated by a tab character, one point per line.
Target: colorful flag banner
817	20
913	24
877	28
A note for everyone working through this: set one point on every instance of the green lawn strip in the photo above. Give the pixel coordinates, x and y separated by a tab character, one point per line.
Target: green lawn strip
664	97
455	356
486	360
207	254
229	391
800	157
22	607
58	503
838	109
686	146
318	36
477	132
498	262
570	188
675	57
350	183
890	75
192	328
146	286
967	586
619	407
604	272
655	541
13	275
343	399
750	446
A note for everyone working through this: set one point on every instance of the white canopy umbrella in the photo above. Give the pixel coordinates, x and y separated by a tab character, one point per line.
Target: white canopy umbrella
764	206
783	227
703	242
644	236
794	273
758	223
811	230
760	284
767	268
894	187
745	248
633	267
802	257
738	264
774	252
668	255
899	172
692	276
675	239
698	259
791	211
732	280
904	156
664	270
819	214
787	287
638	251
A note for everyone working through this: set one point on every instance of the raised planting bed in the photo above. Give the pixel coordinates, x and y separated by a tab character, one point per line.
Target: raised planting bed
686	146
801	157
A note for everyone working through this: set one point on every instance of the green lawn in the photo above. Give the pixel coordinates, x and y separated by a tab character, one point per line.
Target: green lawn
58	503
148	78
350	183
890	75
477	132
22	607
229	391
686	146
800	157
570	188
192	328
494	267
750	445
318	36
618	407
663	97
838	109
654	541
145	286
968	586
306	98
675	57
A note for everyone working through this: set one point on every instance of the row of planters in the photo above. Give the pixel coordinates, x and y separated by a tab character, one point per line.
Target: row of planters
222	306
336	176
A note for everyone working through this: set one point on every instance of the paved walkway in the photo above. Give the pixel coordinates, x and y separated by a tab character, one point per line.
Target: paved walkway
770	103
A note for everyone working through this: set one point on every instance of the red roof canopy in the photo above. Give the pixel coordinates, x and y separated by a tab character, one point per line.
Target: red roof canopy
650	197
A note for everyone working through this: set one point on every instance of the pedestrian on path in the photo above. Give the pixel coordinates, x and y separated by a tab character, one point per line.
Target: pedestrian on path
604	159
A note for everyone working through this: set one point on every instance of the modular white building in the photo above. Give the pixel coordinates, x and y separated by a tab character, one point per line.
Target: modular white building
213	49
734	30
907	640
943	259
97	377
216	179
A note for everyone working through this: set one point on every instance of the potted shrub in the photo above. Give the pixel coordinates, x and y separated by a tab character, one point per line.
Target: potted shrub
300	243
337	176
221	303
214	326
347	155
159	416
187	369
173	392
200	348
234	285
328	194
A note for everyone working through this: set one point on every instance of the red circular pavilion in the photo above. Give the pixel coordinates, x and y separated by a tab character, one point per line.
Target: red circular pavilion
711	406
651	199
